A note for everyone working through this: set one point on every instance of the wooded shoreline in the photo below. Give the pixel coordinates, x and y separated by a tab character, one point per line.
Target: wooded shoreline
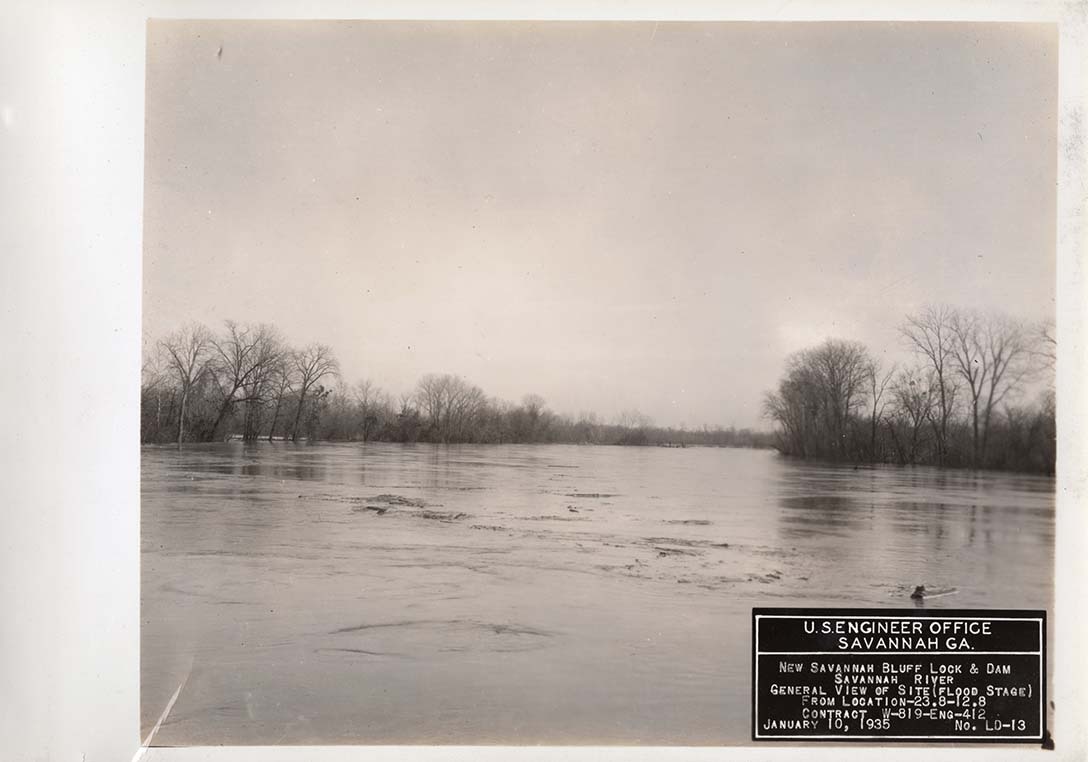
961	402
978	393
247	381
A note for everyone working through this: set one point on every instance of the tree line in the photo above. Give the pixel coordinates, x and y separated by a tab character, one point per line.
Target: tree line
959	402
246	381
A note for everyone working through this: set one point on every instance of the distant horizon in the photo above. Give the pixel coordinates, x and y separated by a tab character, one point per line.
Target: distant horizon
613	216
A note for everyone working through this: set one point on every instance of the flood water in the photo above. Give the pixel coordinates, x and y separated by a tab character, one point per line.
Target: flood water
398	594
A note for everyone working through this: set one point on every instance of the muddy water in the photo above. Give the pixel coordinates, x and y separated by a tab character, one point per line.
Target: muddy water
386	594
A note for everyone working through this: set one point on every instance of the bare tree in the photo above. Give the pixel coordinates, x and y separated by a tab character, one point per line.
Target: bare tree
535	414
154	386
633	425
342	409
449	404
588	427
282	379
840	369
796	408
430	397
407	417
930	336
187	355
311	364
877	380
633	418
261	379
823	389
1046	345
786	409
466	404
913	399
242	359
368	398
971	363
1006	352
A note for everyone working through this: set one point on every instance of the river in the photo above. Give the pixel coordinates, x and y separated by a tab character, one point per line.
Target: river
400	594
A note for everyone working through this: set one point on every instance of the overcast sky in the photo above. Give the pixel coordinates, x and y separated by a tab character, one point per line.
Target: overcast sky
620	215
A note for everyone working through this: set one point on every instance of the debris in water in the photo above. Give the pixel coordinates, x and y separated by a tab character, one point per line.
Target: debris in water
398	500
661	552
378	509
765	579
441	516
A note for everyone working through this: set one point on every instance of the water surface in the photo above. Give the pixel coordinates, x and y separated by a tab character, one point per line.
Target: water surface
391	594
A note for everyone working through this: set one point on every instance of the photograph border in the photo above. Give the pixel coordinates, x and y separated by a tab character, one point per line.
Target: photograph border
74	122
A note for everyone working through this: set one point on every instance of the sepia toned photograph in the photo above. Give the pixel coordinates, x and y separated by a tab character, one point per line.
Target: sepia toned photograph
494	371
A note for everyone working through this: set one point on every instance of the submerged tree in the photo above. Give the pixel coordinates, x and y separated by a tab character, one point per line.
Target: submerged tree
929	334
952	408
245	379
877	381
187	355
820	394
449	405
370	401
243	359
913	401
311	365
990	355
282	380
1008	356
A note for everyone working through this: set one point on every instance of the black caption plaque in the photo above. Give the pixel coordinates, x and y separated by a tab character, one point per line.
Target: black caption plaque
898	674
